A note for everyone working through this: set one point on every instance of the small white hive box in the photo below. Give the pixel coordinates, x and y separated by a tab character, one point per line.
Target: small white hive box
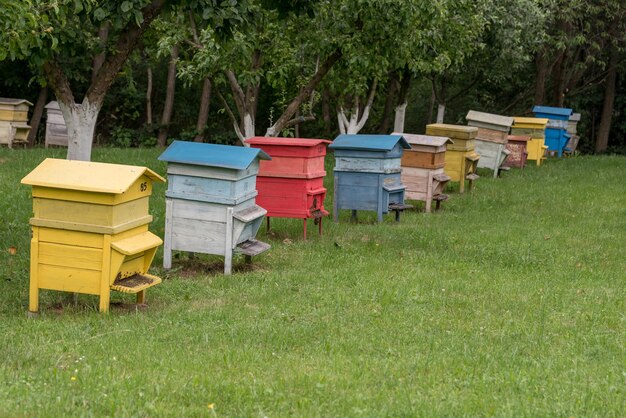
56	130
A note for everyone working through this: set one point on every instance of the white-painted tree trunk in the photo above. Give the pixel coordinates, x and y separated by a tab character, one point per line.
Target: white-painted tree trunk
80	120
398	123
248	126
441	110
356	123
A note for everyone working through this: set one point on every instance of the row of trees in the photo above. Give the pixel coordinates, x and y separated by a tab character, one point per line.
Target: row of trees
229	69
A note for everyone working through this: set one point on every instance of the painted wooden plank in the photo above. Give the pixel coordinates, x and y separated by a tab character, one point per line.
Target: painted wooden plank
454	132
489	121
415	158
70	256
67	237
209	189
198	236
368	165
68	279
203	211
91	228
90	213
212	172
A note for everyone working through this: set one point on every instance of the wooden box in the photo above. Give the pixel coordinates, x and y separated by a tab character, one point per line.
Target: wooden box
90	229
491	139
291	184
572	123
210	203
423	169
556	129
517	147
14	110
13	133
367	174
461	157
56	131
535	128
556	140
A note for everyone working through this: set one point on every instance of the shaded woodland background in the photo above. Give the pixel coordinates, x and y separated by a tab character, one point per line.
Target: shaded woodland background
520	53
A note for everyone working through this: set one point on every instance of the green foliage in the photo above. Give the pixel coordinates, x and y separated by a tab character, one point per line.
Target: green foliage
508	302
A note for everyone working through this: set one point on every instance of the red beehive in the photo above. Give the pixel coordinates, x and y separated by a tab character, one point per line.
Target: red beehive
517	146
291	185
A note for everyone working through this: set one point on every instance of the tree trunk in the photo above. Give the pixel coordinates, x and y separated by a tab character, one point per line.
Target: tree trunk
37	113
559	83
441	110
103	36
81	137
433	99
149	98
540	77
168	107
249	129
80	120
403	101
203	113
602	141
284	119
391	97
357	119
326	112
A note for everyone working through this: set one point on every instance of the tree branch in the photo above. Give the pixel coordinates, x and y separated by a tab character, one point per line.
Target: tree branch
124	46
304	93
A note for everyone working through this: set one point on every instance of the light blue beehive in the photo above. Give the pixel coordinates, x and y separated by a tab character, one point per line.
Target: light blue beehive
367	174
210	200
556	129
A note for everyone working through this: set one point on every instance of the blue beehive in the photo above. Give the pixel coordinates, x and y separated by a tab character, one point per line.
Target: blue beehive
210	200
556	129
367	174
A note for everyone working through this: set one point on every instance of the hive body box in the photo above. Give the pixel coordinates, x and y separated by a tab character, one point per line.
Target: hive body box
90	229
423	169
291	184
517	146
535	128
368	174
56	131
210	201
491	140
461	157
14	128
572	130
556	129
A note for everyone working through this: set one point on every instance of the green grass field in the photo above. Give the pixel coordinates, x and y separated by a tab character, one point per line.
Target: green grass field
508	302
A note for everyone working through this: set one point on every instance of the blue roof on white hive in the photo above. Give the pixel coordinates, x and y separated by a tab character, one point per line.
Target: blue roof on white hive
369	142
547	110
212	155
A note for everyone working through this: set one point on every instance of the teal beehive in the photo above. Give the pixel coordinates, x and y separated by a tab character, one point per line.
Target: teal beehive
367	174
210	203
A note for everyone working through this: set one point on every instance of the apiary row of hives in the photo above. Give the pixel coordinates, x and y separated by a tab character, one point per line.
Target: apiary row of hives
90	220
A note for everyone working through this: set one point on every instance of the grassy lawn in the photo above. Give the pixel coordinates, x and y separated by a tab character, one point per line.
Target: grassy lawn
508	302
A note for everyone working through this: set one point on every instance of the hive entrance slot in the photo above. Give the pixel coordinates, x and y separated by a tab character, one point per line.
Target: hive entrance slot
134	283
252	247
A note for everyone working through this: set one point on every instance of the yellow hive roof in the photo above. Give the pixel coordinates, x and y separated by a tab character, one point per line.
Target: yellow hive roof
529	121
87	176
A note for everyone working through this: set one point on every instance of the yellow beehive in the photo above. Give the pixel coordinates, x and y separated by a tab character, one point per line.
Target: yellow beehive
535	128
90	229
461	159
